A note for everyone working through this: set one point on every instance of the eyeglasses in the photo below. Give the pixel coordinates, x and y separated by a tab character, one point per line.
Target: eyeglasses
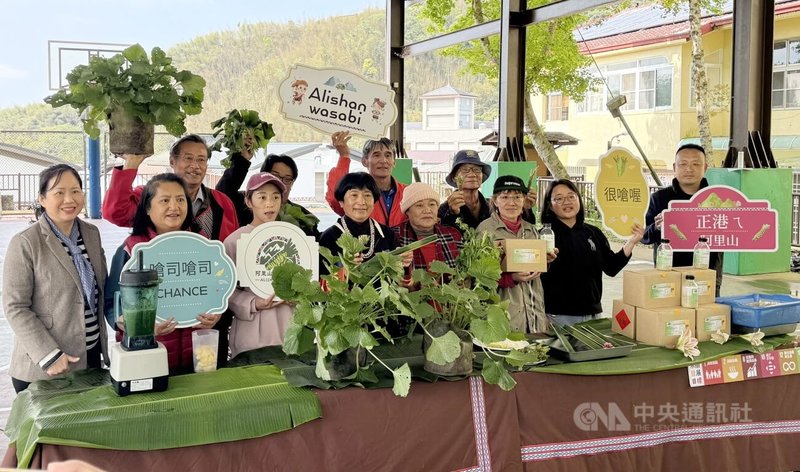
188	159
284	178
568	198
470	170
510	198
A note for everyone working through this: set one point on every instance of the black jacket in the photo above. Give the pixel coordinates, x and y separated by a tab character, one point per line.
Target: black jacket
659	201
573	283
232	180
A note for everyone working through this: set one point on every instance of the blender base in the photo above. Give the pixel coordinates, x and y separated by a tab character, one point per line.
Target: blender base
145	370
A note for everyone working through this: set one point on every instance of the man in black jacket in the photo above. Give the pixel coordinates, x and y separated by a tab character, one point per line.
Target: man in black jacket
690	167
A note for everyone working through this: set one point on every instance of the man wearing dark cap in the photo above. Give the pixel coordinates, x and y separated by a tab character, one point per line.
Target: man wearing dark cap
466	202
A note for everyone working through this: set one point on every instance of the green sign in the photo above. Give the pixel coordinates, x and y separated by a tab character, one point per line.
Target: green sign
196	275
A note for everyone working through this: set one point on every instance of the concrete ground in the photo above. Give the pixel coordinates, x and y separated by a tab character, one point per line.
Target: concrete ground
113	237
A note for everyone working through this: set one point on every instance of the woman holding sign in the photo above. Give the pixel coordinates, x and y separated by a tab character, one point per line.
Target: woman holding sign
258	321
52	280
164	208
573	284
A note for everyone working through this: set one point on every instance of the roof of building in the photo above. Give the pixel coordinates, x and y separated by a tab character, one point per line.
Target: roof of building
556	138
446	91
652	24
29	155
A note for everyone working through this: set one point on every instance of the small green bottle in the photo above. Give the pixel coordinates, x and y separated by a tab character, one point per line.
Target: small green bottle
664	255
690	297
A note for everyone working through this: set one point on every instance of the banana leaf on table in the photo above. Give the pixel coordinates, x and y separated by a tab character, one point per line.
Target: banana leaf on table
646	358
81	409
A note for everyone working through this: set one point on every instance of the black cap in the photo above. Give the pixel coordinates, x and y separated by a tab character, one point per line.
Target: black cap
467	157
509	182
690	277
665	240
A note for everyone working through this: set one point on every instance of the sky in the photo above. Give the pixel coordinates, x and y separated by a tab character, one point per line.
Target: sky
26	26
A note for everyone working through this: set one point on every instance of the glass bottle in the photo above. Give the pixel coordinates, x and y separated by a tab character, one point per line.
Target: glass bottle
664	255
546	234
690	296
702	254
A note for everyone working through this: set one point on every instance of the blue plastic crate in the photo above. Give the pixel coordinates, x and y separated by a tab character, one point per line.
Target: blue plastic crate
780	310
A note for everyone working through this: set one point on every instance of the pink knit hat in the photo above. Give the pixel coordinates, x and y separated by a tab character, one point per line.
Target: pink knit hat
417	192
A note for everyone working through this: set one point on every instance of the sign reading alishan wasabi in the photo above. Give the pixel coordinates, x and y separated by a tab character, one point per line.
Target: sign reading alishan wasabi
196	275
332	100
267	247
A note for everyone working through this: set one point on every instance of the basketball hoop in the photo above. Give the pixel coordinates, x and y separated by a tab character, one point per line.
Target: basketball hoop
63	56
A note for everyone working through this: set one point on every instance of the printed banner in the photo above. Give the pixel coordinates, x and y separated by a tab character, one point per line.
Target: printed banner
739	367
332	100
196	275
621	192
725	217
267	247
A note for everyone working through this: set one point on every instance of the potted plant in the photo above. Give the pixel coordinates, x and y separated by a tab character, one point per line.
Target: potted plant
132	93
345	313
459	306
241	130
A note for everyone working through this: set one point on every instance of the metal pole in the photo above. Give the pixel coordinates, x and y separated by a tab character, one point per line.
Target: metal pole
641	151
615	107
93	165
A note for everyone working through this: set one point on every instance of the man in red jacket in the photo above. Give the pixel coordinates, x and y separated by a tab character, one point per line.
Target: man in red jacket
213	212
378	158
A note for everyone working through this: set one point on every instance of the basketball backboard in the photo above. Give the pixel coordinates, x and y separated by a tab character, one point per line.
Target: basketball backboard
63	56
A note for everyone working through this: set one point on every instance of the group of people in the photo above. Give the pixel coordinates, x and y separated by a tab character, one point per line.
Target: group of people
62	254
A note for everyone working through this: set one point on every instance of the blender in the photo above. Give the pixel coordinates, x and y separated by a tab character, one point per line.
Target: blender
139	363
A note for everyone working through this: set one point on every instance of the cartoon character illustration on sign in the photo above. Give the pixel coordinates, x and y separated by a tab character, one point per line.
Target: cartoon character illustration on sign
299	88
377	108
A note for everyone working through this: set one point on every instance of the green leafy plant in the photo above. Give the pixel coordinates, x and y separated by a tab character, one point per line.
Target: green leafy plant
465	298
350	312
241	130
150	89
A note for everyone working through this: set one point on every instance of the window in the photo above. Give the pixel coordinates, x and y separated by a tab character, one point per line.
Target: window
646	84
557	107
786	74
713	64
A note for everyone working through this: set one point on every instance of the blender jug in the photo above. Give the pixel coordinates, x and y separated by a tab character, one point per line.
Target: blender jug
139	300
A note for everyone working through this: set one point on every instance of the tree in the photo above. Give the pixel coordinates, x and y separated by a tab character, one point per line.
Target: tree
553	61
702	94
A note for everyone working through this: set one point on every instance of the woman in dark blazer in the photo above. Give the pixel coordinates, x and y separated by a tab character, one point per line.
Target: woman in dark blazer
53	280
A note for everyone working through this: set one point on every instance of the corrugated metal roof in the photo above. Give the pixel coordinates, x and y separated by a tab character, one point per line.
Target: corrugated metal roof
647	17
29	155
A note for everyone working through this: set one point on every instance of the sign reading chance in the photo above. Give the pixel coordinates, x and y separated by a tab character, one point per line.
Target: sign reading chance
196	275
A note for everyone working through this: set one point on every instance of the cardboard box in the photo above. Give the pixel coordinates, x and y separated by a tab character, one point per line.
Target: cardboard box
651	288
706	282
710	318
524	255
623	319
663	327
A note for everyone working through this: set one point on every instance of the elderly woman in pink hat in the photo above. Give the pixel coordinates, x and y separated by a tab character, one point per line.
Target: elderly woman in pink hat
257	321
420	204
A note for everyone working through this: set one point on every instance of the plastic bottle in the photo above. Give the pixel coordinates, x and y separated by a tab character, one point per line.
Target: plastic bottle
664	255
689	293
702	254
546	234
